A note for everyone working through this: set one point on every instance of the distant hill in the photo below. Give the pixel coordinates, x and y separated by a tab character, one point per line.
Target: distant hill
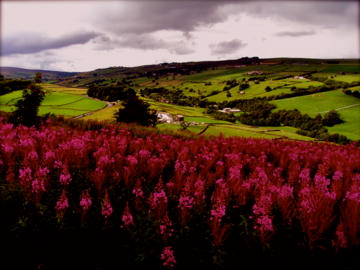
47	75
84	79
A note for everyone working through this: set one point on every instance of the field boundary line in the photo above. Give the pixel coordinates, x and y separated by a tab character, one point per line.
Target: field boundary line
343	108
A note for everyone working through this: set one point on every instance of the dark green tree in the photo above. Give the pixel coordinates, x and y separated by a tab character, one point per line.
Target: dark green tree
27	107
136	111
244	86
332	118
38	77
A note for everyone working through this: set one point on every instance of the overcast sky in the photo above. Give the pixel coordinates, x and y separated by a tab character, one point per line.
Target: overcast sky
82	36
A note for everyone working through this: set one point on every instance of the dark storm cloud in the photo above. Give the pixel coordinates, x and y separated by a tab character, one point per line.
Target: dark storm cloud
141	42
319	13
227	47
295	34
27	43
186	16
146	17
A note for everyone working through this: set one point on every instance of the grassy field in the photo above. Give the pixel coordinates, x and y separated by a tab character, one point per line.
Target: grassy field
258	90
348	78
347	106
206	82
104	114
58	100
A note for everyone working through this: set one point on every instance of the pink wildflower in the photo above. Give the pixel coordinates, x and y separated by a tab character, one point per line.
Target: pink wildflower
138	192
157	198
25	175
32	155
106	208
265	223
340	237
168	258
49	155
132	160
58	164
185	202
218	212
85	201
65	178
62	205
37	186
127	218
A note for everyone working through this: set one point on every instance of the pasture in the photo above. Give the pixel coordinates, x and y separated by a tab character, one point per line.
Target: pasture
347	106
65	101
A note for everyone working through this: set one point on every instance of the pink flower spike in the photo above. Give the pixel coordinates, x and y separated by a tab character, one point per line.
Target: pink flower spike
85	201
106	209
62	205
168	258
127	218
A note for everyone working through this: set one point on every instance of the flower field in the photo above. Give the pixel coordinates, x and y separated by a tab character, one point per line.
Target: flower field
117	196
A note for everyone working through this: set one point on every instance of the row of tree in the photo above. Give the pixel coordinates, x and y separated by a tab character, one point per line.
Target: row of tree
354	93
176	97
9	85
110	92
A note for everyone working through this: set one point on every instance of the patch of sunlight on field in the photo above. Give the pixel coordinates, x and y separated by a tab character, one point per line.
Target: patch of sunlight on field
7	108
104	114
86	104
10	98
229	131
63	89
60	111
59	99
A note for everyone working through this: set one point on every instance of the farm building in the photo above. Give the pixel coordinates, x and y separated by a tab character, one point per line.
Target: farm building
180	118
255	72
229	110
164	117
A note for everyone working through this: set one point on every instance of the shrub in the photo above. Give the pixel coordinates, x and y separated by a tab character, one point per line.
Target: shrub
244	86
332	118
136	111
27	107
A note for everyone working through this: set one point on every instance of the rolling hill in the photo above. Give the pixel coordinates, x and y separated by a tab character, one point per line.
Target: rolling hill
189	88
47	75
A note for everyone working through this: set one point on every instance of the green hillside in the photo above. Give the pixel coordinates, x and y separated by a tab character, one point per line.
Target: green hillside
313	86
